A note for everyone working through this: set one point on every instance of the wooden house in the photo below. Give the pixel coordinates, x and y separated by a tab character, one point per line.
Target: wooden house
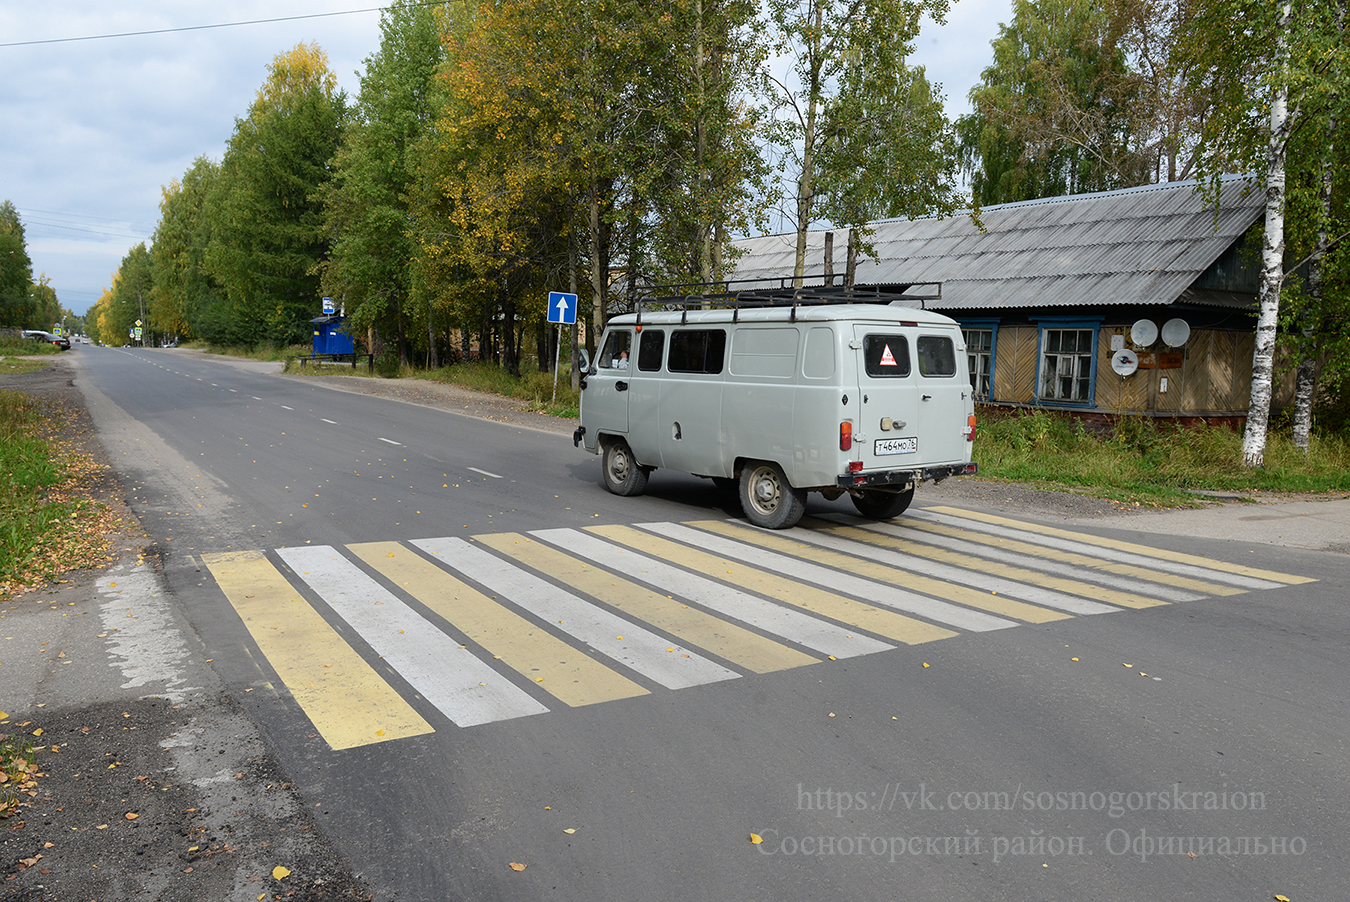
1140	301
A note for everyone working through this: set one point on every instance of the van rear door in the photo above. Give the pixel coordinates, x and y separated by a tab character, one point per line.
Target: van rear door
888	436
945	395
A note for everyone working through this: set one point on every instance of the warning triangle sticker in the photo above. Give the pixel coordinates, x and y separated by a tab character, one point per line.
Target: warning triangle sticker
887	358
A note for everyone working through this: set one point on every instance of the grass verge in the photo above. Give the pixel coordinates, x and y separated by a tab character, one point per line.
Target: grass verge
49	523
1150	463
265	351
533	387
18	772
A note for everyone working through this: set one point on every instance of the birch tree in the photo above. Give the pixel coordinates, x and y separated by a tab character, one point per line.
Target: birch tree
836	51
1273	71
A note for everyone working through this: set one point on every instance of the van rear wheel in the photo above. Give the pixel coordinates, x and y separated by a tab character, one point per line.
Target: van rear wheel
767	498
623	475
875	504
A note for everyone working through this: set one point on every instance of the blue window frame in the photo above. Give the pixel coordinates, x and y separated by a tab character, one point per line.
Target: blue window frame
1067	362
981	337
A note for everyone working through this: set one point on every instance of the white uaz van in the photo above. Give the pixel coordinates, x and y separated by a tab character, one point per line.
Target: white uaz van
863	399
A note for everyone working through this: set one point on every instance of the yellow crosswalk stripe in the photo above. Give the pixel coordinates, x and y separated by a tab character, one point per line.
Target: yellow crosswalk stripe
349	703
860	566
1008	571
1078	560
1160	553
818	601
568	673
736	644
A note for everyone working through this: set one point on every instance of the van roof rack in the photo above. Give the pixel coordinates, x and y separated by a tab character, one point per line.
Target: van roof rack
787	291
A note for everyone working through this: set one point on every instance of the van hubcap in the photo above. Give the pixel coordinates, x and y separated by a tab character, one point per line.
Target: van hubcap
767	490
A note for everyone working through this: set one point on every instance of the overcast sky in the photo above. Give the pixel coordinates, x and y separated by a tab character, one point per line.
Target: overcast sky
91	130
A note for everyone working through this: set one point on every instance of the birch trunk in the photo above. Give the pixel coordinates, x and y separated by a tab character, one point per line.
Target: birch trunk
806	190
1272	257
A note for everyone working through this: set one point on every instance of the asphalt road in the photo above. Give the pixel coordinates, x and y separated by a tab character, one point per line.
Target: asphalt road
1176	731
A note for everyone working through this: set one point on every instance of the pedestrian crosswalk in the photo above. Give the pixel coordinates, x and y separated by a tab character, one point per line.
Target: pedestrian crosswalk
380	641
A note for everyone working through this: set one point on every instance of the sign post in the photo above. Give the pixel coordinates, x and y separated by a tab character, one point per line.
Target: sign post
562	310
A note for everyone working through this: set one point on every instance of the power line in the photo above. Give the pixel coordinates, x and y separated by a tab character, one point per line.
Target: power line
133	34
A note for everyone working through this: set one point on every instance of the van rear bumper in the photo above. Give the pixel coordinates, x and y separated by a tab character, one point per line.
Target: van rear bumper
902	478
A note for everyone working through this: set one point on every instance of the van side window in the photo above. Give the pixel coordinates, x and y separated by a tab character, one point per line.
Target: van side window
697	350
886	355
937	355
650	346
614	356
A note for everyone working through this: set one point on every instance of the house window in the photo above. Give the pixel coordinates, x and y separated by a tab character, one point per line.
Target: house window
979	359
1066	365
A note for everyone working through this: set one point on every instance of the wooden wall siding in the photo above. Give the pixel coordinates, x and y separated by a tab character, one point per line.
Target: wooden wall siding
1015	364
1223	370
1195	388
1214	378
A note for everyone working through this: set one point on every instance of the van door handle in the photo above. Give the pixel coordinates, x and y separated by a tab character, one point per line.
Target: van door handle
928	397
621	386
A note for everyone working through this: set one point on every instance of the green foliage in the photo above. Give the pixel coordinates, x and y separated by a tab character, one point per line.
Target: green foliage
850	116
366	205
185	300
1053	114
1142	460
16	271
267	222
26	471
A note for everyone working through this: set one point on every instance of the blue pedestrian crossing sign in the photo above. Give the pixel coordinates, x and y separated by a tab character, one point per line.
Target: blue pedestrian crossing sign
562	308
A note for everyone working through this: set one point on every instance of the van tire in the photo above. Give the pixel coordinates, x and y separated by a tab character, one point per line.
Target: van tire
623	475
767	498
875	504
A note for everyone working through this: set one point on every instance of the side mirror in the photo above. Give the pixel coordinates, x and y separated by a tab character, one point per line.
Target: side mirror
584	361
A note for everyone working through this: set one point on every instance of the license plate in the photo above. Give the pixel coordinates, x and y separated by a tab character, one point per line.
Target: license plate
908	445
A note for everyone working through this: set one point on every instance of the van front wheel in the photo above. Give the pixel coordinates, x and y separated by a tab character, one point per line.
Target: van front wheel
878	505
767	498
623	475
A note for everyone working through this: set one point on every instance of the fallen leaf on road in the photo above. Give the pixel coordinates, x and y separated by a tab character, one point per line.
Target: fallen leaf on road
280	873
570	830
756	839
517	866
131	815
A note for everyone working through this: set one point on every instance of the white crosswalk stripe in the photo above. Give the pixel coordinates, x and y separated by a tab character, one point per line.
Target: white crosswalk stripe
1109	554
464	689
911	563
899	599
977	551
772	618
649	654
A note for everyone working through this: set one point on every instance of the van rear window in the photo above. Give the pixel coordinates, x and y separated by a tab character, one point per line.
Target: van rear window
697	351
937	355
886	355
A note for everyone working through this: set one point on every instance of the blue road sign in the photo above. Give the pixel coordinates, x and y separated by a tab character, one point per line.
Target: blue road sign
562	308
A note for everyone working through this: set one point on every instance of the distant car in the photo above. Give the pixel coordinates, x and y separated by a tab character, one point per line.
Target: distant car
60	341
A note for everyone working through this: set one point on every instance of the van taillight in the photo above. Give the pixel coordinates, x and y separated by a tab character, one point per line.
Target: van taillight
846	435
970	428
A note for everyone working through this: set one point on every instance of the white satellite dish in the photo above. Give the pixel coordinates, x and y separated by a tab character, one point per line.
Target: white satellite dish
1143	333
1124	362
1175	332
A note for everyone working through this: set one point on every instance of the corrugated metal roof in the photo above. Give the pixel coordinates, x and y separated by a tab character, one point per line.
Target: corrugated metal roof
1142	245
